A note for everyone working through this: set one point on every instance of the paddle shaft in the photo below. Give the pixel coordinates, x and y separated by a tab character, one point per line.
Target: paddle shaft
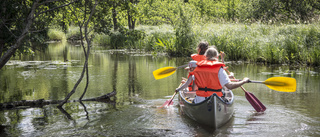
168	103
250	81
174	94
172	98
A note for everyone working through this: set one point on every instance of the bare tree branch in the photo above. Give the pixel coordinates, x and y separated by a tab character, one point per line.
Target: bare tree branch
88	45
86	52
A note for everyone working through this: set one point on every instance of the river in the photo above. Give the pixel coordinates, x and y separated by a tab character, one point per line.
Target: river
52	72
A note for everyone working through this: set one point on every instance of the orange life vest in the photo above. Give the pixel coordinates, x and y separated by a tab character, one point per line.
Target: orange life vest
197	57
206	78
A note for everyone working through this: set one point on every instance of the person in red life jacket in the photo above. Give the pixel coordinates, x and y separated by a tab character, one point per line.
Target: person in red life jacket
190	68
209	76
202	47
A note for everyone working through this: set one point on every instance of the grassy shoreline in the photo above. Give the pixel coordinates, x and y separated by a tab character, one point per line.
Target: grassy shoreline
271	44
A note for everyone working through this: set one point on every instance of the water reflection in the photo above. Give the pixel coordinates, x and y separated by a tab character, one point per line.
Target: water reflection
134	111
85	109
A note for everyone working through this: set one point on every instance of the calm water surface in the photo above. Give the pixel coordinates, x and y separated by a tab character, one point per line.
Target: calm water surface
52	73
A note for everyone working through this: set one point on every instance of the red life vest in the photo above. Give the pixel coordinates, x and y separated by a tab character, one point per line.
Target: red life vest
197	57
206	78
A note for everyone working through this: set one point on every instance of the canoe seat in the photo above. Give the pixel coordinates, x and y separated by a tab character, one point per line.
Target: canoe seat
190	94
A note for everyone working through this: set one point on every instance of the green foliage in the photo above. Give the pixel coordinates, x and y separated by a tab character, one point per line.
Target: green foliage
181	25
56	34
124	38
289	44
14	17
155	34
293	11
184	36
159	12
247	11
73	33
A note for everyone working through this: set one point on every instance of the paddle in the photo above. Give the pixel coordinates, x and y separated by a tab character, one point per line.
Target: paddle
255	102
165	72
283	84
170	102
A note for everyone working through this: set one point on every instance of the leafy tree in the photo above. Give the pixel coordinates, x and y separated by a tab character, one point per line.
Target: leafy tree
22	21
158	12
285	10
184	36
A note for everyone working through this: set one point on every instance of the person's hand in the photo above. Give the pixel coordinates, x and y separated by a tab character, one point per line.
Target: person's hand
183	81
246	80
222	54
231	75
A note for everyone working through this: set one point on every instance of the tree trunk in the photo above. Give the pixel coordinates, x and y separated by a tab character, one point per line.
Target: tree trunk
114	17
131	21
42	102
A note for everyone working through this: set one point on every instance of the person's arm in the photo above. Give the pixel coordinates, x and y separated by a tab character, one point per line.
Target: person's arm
233	85
185	85
225	80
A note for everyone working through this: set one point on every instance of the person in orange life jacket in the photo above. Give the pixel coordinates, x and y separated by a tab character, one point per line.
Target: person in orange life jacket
210	77
202	47
193	65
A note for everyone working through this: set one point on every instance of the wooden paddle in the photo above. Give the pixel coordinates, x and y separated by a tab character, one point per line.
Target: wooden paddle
283	84
255	102
170	102
165	72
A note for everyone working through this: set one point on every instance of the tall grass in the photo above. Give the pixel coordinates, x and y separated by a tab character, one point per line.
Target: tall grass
268	43
274	44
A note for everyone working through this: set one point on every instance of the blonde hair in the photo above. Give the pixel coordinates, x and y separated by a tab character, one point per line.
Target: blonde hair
211	53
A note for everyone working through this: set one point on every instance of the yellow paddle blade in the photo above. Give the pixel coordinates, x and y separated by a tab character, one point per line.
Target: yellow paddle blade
284	84
163	72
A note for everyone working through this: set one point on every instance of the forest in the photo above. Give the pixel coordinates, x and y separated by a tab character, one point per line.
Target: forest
268	31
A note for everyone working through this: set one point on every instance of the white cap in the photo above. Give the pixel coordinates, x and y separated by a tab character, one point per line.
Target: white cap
192	64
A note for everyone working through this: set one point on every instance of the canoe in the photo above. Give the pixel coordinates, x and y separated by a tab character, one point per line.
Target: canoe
214	111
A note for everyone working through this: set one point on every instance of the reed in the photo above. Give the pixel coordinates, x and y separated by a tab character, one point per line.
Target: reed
275	44
56	34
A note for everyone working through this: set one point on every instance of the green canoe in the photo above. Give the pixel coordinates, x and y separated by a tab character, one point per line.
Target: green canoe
214	111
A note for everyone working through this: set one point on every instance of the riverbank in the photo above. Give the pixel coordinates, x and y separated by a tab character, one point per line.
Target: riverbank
270	44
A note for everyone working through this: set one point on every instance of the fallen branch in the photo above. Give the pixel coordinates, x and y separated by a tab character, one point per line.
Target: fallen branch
41	102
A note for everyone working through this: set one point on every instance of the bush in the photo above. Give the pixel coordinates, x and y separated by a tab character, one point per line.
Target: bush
56	34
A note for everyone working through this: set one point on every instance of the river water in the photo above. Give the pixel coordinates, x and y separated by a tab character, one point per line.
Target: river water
52	72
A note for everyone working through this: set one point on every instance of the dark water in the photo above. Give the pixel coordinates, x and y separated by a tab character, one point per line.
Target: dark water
51	74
